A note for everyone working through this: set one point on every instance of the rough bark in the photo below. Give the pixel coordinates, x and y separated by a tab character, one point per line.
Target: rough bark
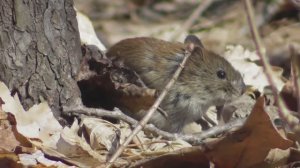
40	51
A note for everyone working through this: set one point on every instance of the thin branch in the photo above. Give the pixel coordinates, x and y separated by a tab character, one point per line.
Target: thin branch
81	109
188	23
116	114
282	109
216	130
295	73
154	107
196	138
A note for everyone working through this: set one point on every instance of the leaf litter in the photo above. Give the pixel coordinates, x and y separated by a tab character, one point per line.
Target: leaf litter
30	137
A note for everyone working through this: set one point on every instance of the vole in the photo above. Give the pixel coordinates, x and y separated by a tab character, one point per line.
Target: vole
206	80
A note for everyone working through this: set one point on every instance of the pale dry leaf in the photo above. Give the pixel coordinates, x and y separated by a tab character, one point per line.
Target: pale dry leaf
278	156
76	149
38	122
87	33
68	143
39	125
72	148
253	75
27	160
52	152
101	132
39	157
10	104
239	53
40	118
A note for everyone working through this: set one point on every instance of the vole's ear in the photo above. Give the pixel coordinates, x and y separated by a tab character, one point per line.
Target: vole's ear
192	39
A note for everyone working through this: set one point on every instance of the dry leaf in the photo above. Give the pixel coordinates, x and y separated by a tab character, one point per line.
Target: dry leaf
249	145
101	132
9	160
87	32
278	156
9	136
76	149
37	122
38	157
43	130
243	61
186	157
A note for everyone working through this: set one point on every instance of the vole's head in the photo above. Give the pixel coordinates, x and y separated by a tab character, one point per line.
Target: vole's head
213	77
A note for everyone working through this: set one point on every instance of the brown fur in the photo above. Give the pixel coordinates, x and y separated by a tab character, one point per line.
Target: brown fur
197	87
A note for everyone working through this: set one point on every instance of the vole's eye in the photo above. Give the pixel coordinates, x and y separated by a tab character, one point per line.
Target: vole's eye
221	74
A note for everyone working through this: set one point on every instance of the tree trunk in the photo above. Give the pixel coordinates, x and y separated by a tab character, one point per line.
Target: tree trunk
40	51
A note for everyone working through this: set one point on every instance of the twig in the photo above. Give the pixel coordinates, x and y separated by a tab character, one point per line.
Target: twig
188	23
295	73
196	138
216	130
154	107
282	109
81	109
116	114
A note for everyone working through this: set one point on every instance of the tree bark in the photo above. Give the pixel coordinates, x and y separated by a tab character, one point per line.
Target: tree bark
40	51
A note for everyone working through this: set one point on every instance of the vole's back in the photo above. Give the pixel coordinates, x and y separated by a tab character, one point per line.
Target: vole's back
206	80
154	60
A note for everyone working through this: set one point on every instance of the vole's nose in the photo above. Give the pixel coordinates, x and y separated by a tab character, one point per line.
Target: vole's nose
239	86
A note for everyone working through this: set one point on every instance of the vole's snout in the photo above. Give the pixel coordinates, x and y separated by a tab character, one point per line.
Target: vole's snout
240	86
